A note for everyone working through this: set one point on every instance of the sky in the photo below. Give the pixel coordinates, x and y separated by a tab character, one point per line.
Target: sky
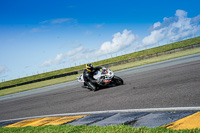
38	36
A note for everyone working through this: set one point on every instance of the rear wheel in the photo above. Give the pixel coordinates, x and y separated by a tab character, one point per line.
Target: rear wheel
118	80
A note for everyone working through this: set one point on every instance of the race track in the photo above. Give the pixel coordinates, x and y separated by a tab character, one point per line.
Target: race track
173	83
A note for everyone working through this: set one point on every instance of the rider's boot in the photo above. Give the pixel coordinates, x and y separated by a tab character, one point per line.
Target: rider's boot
85	85
92	87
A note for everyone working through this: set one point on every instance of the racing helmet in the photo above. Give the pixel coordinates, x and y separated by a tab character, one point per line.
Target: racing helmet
89	67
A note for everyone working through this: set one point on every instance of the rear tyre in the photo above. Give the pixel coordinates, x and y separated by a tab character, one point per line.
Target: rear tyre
118	80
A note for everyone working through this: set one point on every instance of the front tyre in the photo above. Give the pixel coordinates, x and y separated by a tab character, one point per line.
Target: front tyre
118	80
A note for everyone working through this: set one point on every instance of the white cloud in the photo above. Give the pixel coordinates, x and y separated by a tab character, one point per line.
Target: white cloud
79	53
47	63
44	22
154	37
156	24
78	56
35	30
119	42
75	51
58	59
99	25
181	13
3	69
59	21
173	28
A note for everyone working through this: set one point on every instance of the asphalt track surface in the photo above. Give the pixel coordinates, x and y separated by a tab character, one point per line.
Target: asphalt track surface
173	83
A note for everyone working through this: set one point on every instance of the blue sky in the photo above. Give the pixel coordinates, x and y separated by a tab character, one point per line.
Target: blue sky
38	36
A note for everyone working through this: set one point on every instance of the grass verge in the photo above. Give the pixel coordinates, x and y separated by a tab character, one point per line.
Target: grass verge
92	129
37	85
156	59
115	68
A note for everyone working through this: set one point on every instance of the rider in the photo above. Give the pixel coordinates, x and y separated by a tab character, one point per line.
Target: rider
88	74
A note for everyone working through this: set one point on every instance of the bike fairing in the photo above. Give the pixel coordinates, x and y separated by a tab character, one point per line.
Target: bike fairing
95	78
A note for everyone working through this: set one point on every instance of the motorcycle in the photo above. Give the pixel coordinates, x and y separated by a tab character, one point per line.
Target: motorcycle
105	78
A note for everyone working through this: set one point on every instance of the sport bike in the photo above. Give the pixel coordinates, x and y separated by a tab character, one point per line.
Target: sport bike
104	78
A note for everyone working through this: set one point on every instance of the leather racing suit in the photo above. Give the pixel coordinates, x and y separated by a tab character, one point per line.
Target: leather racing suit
88	78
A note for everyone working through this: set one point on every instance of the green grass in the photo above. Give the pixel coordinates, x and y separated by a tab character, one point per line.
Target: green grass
91	129
111	60
37	85
114	68
156	59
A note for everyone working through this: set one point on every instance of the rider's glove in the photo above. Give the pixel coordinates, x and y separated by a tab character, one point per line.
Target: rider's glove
103	68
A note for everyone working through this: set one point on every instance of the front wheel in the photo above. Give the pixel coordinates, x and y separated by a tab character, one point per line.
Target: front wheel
118	80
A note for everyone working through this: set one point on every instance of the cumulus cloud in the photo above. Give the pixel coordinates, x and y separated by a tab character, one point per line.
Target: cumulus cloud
156	24
119	42
75	51
173	28
154	37
47	63
3	69
60	57
80	53
57	59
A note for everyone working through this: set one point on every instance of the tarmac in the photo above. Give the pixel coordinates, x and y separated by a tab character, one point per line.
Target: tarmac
174	118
